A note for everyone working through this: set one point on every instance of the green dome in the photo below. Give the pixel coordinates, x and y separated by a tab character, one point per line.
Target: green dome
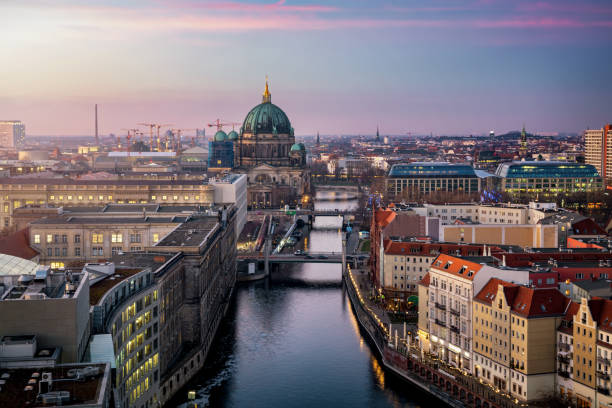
297	147
220	136
232	135
266	118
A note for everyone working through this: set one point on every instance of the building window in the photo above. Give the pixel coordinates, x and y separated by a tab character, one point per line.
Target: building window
155	238
135	238
116	250
49	238
64	251
116	238
37	238
97	238
64	239
97	251
77	239
57	252
77	251
49	252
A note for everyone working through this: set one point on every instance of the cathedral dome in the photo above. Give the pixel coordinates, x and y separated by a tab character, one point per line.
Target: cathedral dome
266	118
232	135
298	147
220	136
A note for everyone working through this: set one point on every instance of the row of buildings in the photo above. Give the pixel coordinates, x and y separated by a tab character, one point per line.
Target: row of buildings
146	316
523	178
525	340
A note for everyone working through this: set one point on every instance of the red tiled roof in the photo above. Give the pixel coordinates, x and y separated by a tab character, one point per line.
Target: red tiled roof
528	302
18	244
425	280
456	266
488	293
601	310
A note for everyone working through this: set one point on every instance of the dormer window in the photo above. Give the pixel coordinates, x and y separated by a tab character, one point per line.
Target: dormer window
463	269
448	264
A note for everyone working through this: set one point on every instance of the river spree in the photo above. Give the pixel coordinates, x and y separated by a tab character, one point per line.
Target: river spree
293	341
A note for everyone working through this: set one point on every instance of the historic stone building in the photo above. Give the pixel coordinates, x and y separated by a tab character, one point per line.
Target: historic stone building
266	151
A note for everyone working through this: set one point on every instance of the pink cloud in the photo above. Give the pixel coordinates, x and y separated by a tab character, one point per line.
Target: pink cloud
565	8
280	6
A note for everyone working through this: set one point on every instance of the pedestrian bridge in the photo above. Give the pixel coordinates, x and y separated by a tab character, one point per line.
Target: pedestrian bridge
320	257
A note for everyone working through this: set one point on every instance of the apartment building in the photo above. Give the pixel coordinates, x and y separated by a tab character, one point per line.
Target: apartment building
584	350
487	213
406	263
453	281
514	338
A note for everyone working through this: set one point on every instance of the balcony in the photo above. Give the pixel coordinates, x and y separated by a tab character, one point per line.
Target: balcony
454	329
440	323
564	347
564	374
603	361
454	312
440	306
603	390
563	359
603	375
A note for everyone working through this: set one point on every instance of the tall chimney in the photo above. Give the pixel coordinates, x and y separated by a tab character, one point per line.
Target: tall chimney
97	140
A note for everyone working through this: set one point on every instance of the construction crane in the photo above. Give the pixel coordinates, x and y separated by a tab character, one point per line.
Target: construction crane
218	123
176	136
156	126
129	136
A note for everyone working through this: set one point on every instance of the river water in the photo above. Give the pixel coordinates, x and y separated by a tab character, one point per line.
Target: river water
293	341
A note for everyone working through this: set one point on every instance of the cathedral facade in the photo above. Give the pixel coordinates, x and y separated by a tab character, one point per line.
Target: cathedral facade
266	151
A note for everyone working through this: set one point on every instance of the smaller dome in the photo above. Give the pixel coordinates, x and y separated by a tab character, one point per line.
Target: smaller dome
297	147
232	135
220	136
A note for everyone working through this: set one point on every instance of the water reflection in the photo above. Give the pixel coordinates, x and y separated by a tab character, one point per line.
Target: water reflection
293	341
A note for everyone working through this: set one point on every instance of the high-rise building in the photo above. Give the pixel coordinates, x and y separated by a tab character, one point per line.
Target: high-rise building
598	150
12	133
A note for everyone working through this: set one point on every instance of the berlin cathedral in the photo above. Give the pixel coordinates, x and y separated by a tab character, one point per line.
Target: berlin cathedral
266	151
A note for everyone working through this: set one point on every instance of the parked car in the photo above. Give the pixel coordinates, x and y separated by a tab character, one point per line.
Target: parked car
322	257
299	252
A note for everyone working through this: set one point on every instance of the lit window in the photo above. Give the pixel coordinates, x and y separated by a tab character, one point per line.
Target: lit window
49	238
97	238
101	197
186	198
37	238
164	197
153	197
80	198
175	198
117	238
155	238
110	198
69	197
52	197
90	198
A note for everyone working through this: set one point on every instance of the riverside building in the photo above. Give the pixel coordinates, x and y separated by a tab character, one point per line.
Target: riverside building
162	307
514	338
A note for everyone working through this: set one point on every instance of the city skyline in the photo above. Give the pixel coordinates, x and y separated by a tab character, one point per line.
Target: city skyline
338	67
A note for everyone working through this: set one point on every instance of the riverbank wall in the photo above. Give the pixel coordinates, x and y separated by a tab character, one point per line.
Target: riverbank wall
406	360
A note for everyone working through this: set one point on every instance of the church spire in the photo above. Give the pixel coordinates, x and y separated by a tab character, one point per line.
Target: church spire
267	96
318	139
377	134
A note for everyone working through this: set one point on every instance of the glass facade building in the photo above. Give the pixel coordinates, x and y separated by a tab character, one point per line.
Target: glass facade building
429	177
547	177
221	154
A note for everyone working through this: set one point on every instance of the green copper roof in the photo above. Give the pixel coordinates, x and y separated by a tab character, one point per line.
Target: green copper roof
232	135
296	147
266	118
220	136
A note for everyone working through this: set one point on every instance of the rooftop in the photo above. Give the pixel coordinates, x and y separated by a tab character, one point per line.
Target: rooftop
21	386
432	169
545	169
98	289
191	233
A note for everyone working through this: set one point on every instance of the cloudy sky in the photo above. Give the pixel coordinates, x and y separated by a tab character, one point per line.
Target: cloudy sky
338	66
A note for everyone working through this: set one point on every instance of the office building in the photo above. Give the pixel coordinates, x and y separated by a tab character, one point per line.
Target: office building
598	151
12	134
547	179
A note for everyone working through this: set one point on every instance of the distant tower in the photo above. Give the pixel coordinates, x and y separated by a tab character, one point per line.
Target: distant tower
377	135
523	143
318	139
492	139
96	114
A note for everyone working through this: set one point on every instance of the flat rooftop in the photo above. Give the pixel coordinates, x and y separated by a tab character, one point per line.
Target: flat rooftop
190	233
110	220
21	385
98	289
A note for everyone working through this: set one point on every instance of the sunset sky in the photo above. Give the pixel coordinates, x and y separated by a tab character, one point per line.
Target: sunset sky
339	67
